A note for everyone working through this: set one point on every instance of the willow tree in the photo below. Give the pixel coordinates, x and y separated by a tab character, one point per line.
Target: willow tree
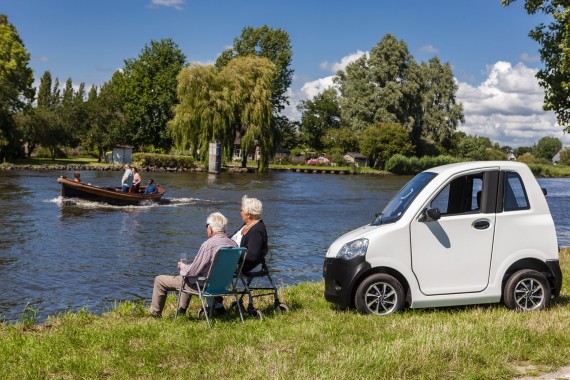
214	105
250	80
204	113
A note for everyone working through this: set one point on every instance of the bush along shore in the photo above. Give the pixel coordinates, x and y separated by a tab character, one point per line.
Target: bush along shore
196	169
313	340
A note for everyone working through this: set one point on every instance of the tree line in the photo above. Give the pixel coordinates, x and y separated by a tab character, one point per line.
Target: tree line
384	103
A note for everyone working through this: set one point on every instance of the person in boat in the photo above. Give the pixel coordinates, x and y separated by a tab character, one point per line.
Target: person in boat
151	187
127	180
136	180
77	177
216	224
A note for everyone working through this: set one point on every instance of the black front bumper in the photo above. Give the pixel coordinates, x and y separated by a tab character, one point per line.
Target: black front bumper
340	277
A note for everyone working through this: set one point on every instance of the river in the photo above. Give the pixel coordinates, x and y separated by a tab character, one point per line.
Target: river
57	255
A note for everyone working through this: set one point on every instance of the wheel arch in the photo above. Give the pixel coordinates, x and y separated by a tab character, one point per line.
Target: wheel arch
386	270
527	263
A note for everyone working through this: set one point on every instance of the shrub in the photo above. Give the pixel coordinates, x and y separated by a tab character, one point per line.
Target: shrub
162	160
399	164
320	161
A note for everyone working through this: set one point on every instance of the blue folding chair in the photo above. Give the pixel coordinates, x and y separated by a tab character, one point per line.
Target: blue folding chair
220	281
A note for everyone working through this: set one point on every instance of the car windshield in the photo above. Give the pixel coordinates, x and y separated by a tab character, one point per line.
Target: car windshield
398	205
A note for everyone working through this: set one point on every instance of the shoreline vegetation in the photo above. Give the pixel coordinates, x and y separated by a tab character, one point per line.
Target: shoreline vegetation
90	164
313	340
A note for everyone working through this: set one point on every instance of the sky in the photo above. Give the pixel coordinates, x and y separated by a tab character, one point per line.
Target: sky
487	45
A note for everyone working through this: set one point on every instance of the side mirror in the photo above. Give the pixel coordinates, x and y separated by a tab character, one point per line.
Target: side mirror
430	215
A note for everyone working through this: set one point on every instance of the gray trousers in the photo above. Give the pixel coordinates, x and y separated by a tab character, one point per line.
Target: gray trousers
162	285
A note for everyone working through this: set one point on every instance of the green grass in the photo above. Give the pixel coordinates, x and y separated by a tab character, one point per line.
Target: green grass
314	340
542	170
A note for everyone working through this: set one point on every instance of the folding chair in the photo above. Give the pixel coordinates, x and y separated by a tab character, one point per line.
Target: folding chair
220	280
261	289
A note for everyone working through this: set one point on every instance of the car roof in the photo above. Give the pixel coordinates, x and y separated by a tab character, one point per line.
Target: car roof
474	165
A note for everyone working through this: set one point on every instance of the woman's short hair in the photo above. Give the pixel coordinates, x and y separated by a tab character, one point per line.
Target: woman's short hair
217	221
252	206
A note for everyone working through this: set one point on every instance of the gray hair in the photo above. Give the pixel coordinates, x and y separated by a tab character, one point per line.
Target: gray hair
217	221
252	206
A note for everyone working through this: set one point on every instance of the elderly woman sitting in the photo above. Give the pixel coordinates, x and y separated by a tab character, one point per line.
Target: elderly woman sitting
252	234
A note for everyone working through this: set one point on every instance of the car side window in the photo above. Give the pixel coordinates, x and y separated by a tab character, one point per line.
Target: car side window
461	195
515	193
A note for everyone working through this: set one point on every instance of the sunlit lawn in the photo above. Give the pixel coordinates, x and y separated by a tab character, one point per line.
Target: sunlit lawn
314	340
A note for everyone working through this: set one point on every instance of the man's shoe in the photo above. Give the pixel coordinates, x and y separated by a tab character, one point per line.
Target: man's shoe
181	311
155	315
220	310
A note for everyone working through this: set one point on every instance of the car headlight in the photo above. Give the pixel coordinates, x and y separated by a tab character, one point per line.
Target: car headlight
353	249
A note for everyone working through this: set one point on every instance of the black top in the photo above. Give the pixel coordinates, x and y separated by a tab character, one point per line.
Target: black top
255	240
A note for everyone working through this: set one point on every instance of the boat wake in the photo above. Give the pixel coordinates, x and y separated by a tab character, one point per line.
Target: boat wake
168	202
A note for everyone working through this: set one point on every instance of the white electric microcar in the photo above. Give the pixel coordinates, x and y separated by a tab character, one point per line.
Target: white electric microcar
458	234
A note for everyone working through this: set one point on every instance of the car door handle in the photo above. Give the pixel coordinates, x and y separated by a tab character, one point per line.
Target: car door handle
481	224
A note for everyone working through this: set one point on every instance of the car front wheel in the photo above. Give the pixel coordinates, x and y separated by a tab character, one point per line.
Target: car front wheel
527	290
379	294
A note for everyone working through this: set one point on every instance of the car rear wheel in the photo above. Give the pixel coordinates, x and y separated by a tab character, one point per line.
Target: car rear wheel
379	294
527	290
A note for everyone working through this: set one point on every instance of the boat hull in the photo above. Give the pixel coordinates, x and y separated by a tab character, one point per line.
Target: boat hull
110	195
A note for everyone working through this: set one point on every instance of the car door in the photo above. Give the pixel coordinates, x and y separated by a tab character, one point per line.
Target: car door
453	254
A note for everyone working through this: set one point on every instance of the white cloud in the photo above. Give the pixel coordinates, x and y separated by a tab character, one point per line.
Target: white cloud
527	58
176	4
345	61
307	92
506	107
428	49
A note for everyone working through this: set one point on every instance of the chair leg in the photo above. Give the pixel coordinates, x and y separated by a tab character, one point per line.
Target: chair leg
179	296
205	309
239	309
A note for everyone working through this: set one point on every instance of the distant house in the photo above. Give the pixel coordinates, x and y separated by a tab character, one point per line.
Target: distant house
254	153
122	154
556	157
511	156
357	159
281	153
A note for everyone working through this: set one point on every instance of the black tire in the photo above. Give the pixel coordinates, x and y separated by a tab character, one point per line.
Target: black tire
281	308
527	290
256	314
379	294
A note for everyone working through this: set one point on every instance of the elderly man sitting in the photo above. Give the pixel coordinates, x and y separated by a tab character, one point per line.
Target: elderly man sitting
217	238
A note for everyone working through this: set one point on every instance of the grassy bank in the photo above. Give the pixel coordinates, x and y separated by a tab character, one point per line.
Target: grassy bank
312	340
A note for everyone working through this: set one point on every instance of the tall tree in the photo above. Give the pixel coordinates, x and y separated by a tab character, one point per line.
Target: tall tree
147	92
16	78
554	39
204	113
102	118
45	97
212	104
275	45
441	113
389	86
250	80
547	147
72	112
319	115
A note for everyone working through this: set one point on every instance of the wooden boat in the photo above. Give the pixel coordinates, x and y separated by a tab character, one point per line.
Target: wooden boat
111	195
